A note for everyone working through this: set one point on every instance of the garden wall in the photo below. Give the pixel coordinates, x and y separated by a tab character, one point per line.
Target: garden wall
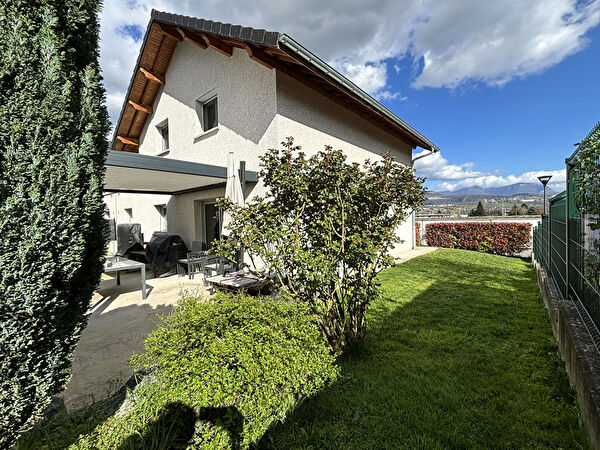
578	350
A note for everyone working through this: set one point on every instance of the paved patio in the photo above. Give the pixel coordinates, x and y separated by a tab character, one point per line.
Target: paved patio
118	323
413	253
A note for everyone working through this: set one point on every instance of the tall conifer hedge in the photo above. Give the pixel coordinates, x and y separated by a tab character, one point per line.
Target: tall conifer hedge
53	127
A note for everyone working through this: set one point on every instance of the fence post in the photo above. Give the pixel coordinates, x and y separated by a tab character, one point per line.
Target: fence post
549	255
567	216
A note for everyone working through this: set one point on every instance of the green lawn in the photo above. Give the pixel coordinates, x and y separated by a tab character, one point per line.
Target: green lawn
459	355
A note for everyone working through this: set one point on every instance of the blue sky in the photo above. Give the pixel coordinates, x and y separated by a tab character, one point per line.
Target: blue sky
528	124
503	88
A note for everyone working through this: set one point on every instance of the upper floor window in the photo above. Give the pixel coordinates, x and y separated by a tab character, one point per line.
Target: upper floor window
164	134
210	116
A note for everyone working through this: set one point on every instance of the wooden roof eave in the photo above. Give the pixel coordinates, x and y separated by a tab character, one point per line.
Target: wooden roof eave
150	75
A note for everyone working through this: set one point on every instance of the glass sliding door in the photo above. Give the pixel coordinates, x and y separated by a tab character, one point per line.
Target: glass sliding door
212	223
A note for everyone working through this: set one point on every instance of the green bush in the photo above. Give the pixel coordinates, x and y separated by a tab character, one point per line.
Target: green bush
233	365
53	127
324	229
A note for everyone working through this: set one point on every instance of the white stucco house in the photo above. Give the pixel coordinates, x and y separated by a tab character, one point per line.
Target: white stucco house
202	89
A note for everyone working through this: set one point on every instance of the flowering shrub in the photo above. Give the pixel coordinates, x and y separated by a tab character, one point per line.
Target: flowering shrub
324	231
418	233
502	238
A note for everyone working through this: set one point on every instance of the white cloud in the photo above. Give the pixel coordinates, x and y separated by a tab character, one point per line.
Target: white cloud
457	176
389	95
463	41
370	77
452	42
557	183
436	167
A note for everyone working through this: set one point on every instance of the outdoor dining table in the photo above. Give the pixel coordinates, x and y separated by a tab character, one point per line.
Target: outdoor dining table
117	264
242	283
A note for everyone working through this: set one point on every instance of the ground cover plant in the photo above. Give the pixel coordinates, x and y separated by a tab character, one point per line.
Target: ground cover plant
459	354
223	371
325	229
53	127
502	238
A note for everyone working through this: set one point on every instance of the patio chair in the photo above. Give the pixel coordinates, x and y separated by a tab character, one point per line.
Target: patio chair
195	261
216	265
191	260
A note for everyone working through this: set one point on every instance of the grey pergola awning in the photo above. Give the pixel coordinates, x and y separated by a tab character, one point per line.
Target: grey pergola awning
134	173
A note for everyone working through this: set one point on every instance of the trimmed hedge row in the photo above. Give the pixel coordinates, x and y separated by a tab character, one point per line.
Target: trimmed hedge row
502	238
224	370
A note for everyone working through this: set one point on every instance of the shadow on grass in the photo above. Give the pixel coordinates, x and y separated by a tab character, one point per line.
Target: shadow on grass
459	355
172	429
175	426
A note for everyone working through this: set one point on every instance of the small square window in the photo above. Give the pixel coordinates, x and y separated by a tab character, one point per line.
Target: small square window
210	117
164	134
129	214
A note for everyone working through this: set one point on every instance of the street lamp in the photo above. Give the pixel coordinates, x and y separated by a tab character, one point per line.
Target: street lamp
544	180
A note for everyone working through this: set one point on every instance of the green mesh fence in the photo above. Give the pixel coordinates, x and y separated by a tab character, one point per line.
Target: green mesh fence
568	249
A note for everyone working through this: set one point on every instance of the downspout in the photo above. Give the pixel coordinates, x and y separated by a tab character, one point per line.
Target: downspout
414	218
431	152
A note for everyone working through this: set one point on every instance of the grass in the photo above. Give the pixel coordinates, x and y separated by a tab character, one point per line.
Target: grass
459	354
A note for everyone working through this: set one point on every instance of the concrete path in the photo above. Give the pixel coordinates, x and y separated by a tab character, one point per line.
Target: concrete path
410	254
117	326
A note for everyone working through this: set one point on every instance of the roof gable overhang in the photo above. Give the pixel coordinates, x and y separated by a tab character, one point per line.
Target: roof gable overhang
271	49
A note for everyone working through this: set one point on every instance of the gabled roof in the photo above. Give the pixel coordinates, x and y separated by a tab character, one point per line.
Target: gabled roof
271	49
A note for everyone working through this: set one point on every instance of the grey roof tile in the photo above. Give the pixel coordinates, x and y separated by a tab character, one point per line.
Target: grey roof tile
256	36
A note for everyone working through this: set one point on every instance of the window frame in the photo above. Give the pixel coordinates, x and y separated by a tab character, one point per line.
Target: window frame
162	217
129	214
165	142
205	105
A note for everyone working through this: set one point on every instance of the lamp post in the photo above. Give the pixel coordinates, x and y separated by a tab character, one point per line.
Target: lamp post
544	180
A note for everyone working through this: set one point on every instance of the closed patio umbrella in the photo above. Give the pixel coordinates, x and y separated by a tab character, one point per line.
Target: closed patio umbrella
233	191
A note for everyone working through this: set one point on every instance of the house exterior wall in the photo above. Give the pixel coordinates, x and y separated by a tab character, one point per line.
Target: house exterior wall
315	121
257	109
246	97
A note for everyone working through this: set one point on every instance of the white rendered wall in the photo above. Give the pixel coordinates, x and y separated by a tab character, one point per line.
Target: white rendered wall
314	121
257	109
246	97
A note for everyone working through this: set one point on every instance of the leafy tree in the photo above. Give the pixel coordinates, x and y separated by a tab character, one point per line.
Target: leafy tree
514	211
479	211
325	229
586	175
522	211
53	125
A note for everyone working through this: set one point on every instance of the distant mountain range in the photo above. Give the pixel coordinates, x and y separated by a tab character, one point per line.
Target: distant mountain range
511	189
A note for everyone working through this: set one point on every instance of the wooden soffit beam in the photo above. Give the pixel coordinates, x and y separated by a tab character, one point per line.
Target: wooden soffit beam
152	76
128	140
192	39
144	108
217	44
168	31
261	57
